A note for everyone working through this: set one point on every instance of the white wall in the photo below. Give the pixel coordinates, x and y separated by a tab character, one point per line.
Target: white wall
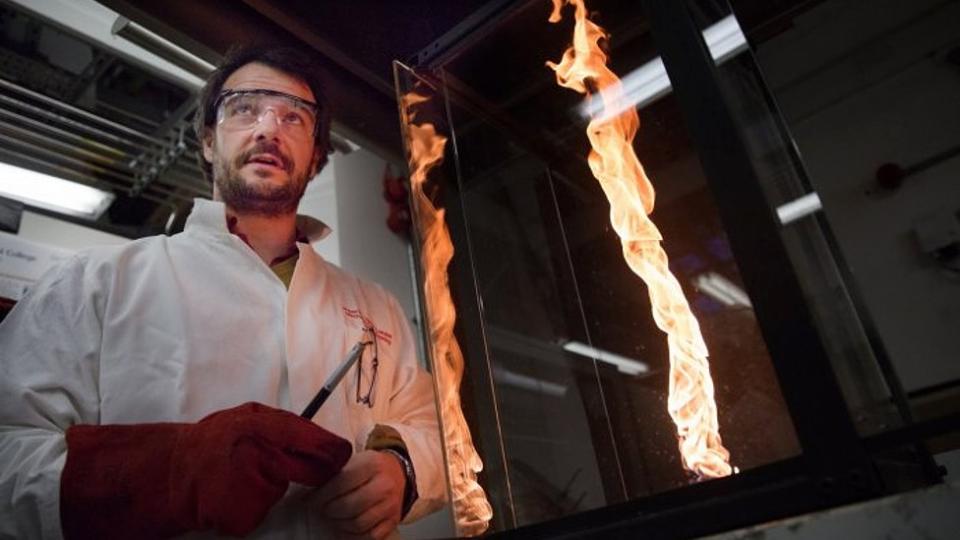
862	84
368	248
347	196
320	201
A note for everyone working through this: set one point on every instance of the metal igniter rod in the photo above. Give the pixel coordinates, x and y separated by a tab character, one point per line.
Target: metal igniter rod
333	380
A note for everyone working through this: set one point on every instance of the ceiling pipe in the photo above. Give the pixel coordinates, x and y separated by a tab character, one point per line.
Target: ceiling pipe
148	41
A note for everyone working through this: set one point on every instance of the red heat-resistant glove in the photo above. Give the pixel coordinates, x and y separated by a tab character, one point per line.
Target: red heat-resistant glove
223	473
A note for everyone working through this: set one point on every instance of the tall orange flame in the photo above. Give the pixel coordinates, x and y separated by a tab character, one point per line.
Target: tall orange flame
472	511
613	162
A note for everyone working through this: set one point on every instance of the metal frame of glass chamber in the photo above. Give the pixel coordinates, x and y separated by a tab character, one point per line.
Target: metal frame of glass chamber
837	465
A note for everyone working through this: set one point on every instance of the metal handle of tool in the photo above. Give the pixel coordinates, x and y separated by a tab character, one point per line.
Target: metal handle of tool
333	380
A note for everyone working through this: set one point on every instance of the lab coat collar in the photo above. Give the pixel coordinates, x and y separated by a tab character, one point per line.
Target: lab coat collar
210	216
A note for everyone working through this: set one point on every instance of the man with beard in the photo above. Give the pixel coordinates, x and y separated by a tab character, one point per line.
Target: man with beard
145	389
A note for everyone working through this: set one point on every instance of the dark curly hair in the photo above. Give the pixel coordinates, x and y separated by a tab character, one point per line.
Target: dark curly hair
295	62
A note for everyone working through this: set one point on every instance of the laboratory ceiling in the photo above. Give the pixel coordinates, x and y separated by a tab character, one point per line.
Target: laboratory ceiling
71	108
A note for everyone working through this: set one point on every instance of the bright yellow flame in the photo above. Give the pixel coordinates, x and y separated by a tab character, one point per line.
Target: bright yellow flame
613	162
471	509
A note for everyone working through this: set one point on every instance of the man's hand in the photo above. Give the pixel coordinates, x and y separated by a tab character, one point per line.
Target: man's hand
365	499
221	474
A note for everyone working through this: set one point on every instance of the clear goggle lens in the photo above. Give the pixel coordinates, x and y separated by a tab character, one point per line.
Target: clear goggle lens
243	109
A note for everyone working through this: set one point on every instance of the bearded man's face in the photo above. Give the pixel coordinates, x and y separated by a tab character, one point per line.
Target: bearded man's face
263	169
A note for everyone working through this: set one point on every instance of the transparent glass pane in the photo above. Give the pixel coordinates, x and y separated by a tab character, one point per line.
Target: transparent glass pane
809	241
579	370
479	486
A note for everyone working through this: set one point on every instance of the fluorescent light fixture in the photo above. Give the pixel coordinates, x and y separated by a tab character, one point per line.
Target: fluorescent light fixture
649	82
799	208
532	384
725	39
722	289
52	193
624	364
169	51
92	20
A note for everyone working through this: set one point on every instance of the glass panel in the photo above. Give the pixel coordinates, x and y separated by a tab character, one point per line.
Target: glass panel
579	370
556	434
808	237
456	350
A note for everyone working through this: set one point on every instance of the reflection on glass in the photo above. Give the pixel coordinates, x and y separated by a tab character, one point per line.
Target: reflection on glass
425	149
649	82
783	177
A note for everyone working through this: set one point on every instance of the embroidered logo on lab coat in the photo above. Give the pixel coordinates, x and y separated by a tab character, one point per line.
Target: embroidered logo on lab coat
355	318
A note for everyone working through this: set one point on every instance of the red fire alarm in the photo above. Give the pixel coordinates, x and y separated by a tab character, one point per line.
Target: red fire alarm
395	193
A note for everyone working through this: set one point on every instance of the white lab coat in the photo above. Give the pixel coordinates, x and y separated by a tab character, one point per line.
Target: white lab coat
173	328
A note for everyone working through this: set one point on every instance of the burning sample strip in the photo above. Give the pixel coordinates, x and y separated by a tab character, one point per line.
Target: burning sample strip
615	165
471	509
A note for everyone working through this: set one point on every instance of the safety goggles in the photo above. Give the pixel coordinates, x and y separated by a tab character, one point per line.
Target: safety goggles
367	377
242	109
